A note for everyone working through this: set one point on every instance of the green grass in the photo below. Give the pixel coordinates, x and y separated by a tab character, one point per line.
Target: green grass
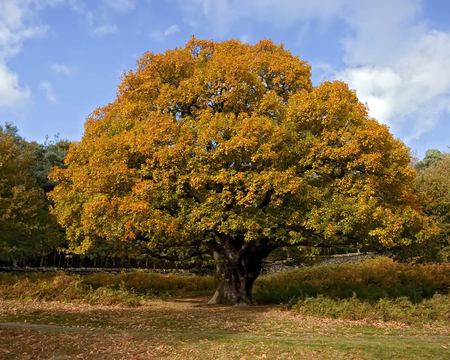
371	281
189	329
373	310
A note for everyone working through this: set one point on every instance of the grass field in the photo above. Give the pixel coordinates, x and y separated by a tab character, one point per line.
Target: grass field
187	328
372	310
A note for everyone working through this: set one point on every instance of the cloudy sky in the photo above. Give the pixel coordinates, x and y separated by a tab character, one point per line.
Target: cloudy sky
60	59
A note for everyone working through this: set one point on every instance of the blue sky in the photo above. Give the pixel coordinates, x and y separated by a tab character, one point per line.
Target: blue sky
60	59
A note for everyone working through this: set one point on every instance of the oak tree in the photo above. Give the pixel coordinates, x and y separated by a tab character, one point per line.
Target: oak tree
228	148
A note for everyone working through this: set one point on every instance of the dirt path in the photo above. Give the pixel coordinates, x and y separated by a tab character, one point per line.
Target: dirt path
190	329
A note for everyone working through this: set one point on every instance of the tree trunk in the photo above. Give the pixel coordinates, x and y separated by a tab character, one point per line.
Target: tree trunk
236	272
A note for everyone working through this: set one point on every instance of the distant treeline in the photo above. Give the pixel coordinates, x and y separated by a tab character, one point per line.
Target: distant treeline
56	259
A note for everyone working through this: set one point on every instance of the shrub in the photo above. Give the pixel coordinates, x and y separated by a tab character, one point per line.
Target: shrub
109	296
401	309
101	288
152	283
372	280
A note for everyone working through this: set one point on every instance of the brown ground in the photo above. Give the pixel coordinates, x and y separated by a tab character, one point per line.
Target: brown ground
190	329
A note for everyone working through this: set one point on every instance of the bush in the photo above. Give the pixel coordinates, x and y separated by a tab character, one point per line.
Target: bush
152	283
109	296
401	309
101	288
372	280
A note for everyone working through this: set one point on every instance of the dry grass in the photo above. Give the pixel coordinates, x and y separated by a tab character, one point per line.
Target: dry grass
190	329
371	280
435	309
102	288
375	279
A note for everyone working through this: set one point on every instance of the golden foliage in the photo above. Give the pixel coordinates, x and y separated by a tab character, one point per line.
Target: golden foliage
233	138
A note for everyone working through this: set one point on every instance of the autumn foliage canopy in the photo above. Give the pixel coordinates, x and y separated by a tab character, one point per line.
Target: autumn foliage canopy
228	148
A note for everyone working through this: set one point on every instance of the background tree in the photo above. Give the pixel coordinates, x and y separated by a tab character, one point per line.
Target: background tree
48	155
228	148
26	226
432	156
433	186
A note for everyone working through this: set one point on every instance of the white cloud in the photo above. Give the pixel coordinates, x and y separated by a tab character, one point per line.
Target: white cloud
19	21
381	30
106	29
376	86
47	88
401	69
398	64
98	22
12	95
172	29
161	35
222	15
60	69
120	6
16	26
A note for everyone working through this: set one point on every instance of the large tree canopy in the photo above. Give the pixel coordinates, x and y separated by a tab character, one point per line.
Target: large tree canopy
228	147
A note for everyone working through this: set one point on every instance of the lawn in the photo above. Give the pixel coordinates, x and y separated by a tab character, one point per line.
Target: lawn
377	309
188	328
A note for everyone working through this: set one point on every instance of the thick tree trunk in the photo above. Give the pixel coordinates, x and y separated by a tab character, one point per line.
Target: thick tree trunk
236	272
231	285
